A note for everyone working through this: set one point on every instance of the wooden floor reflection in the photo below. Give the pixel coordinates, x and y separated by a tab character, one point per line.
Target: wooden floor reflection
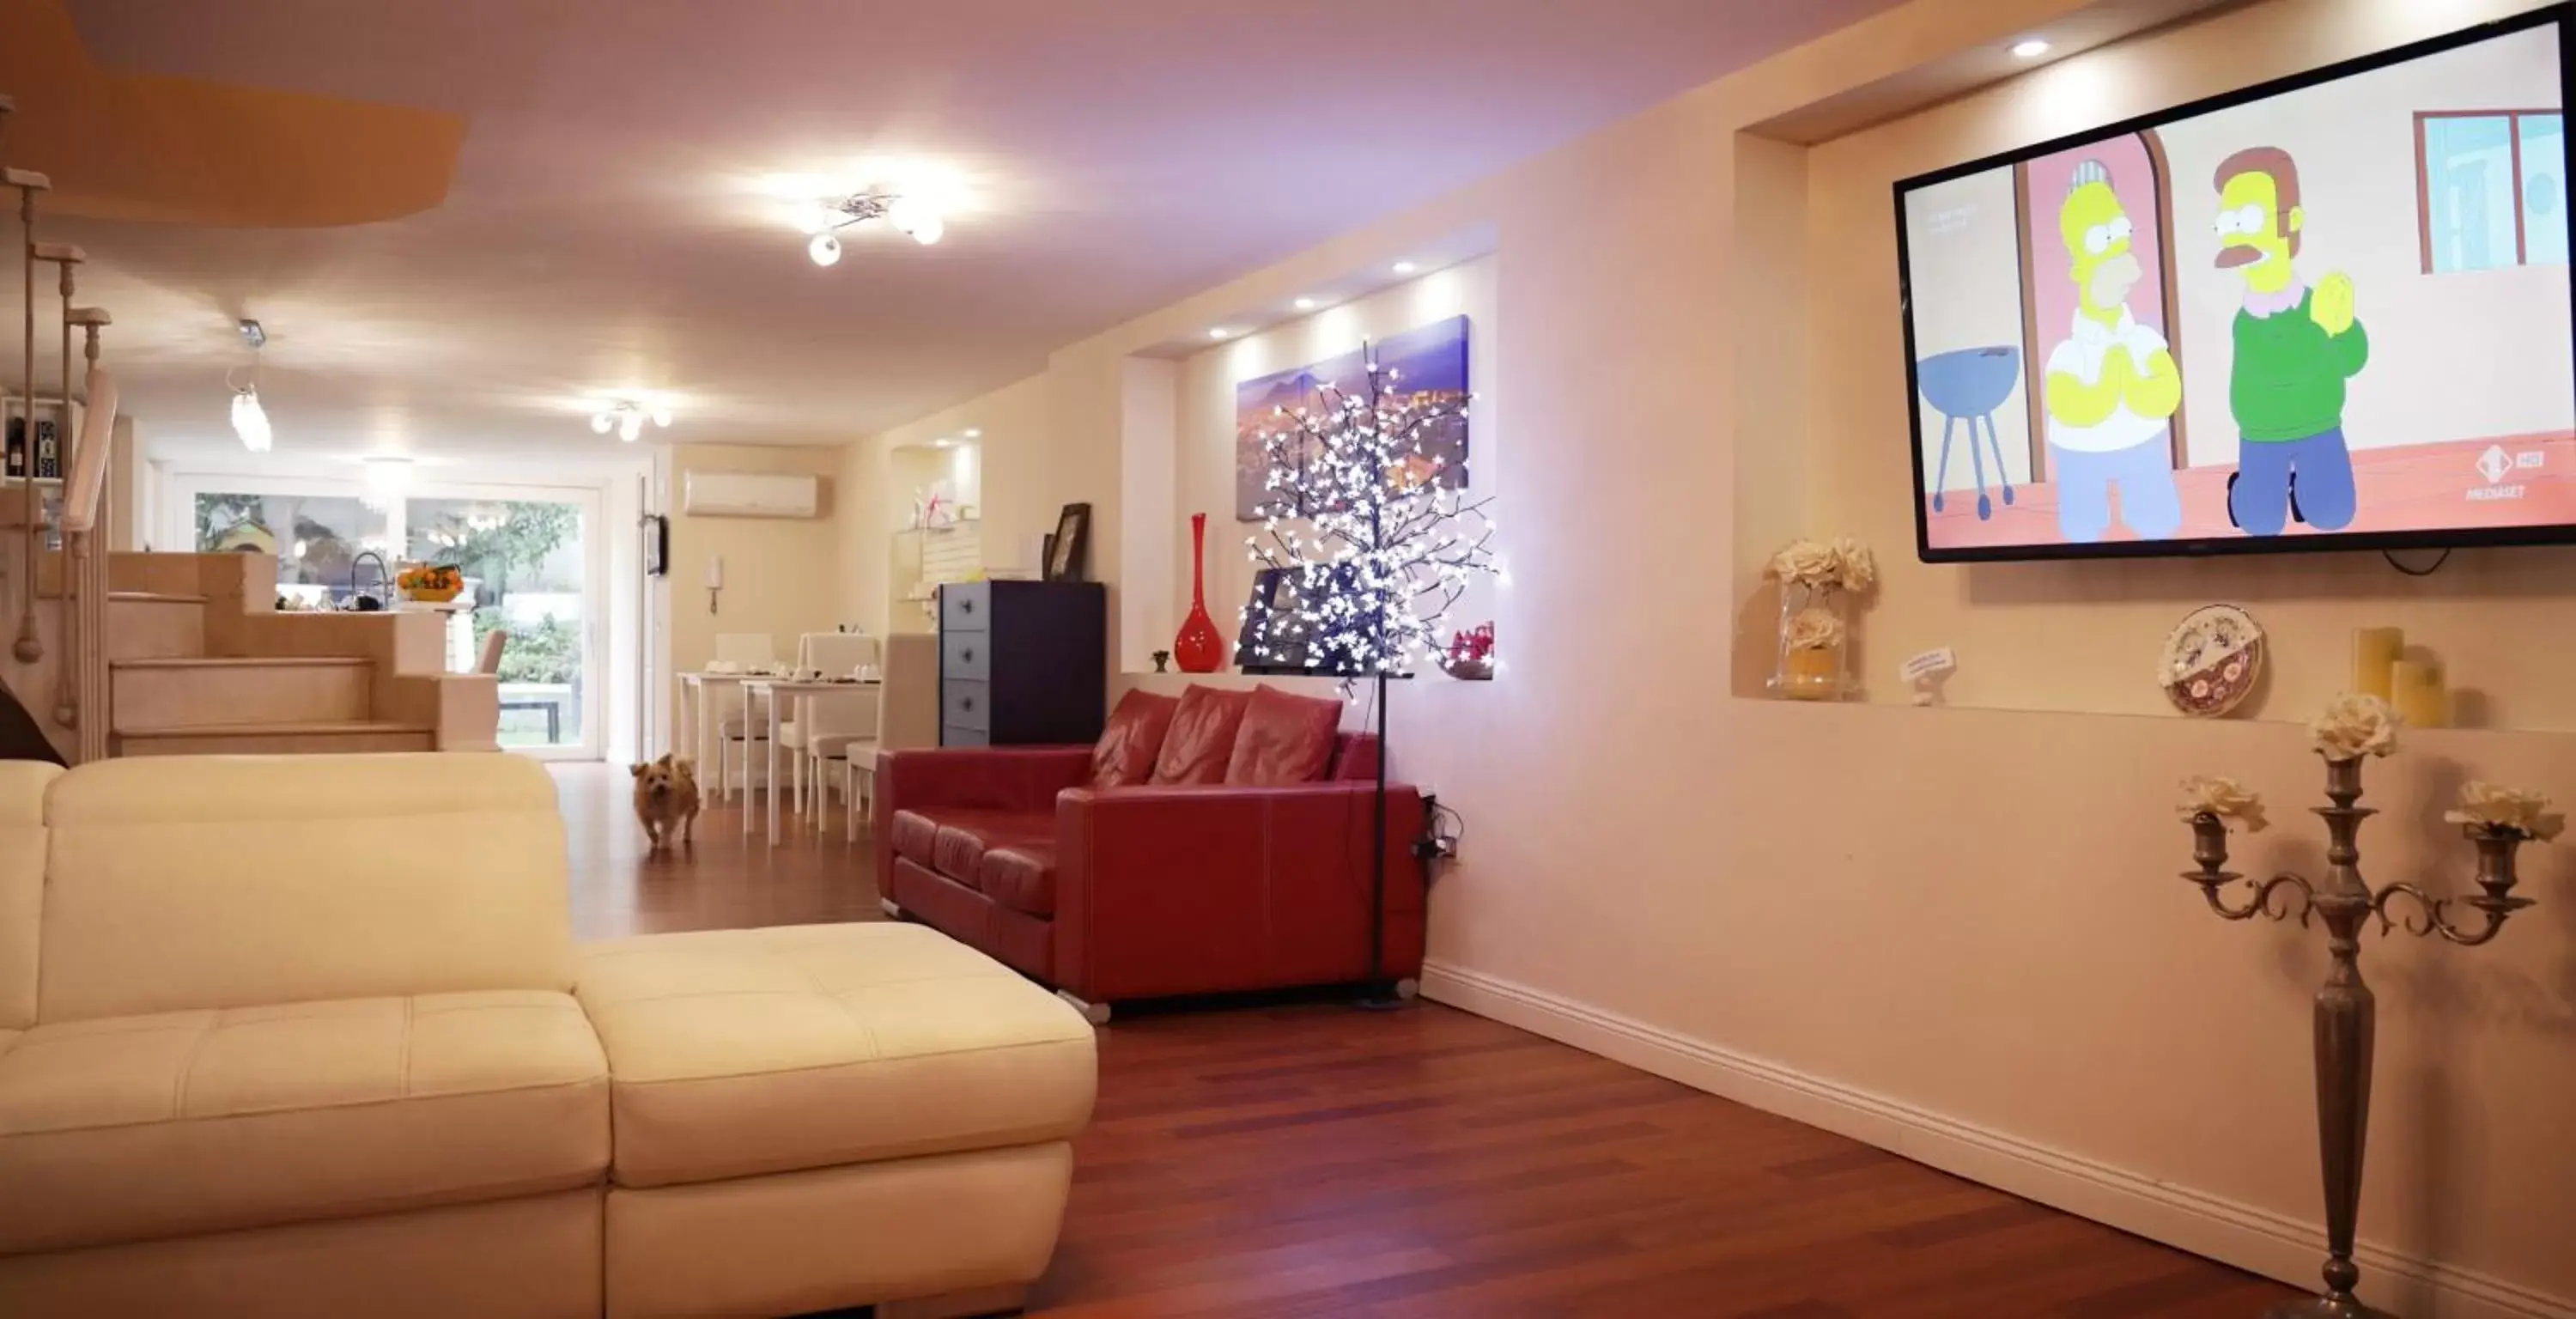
723	881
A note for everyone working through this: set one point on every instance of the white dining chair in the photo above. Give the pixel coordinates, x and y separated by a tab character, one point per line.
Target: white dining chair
839	717
907	717
748	722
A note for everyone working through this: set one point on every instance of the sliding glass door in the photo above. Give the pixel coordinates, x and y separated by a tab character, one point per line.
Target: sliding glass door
534	561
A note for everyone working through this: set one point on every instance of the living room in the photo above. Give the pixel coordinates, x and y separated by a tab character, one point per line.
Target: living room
1661	992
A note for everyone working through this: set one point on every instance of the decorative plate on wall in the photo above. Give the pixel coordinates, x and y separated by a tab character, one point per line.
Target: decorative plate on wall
2212	660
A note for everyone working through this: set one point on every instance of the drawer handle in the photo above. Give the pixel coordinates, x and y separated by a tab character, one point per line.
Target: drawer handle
965	702
968	654
966	606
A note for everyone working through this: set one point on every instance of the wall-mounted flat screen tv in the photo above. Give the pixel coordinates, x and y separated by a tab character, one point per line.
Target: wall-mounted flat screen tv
2329	312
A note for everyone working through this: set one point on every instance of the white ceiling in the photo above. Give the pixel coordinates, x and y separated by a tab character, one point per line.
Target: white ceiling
616	220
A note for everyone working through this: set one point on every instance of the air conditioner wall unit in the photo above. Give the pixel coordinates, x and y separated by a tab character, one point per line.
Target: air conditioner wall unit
749	495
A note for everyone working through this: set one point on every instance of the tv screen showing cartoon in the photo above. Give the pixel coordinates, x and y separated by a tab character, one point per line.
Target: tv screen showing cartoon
2326	313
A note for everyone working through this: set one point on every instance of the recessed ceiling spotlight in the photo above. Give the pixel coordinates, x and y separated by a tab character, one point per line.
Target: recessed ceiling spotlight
1221	332
942	442
974	434
1305	304
1405	267
2029	48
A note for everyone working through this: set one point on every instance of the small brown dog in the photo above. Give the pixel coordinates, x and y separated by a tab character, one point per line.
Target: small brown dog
666	800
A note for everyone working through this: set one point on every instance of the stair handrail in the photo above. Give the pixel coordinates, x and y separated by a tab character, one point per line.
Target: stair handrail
87	488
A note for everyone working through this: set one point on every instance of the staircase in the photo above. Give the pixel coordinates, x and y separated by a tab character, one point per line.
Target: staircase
200	662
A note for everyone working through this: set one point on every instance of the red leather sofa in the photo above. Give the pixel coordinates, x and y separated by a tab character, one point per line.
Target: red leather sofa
1148	889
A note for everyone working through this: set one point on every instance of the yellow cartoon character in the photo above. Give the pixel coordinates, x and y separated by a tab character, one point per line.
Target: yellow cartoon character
2112	384
2295	349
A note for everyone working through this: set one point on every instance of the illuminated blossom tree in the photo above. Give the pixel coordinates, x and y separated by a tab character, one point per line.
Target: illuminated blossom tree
1375	546
1376	549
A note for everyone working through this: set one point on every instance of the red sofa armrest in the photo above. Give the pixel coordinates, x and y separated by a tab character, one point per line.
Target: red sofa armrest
1167	890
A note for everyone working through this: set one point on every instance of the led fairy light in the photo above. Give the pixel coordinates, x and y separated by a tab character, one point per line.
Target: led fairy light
1377	551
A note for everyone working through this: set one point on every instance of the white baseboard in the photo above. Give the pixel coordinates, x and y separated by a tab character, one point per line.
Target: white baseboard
2257	1240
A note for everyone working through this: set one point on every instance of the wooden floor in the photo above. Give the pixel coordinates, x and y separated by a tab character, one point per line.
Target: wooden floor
1314	1162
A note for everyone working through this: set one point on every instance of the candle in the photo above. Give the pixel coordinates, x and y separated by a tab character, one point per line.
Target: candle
2374	653
2418	694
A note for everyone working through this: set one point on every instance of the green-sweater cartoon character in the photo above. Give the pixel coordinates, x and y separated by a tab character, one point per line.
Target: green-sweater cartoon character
2112	384
2295	349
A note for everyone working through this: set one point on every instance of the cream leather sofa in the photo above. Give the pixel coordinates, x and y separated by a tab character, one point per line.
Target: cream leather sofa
310	1036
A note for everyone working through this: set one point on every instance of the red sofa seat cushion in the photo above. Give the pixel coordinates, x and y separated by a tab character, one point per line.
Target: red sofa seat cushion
913	835
952	842
1124	756
1284	738
1202	737
1020	876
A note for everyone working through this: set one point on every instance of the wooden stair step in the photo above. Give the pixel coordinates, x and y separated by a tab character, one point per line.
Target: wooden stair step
231	691
317	727
247	662
313	737
145	625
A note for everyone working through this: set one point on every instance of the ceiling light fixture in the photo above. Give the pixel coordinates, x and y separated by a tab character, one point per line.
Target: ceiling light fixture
2029	48
1405	267
627	417
250	420
974	434
1220	332
942	442
909	215
1305	304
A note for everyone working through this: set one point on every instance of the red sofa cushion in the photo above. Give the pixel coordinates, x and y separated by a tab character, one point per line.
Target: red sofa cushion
965	836
913	834
1202	736
1020	877
1124	755
1284	738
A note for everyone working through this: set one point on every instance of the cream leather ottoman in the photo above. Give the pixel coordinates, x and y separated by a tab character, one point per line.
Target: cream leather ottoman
824	1116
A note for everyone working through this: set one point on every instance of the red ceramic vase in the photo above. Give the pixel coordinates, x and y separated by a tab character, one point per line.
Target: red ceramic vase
1198	648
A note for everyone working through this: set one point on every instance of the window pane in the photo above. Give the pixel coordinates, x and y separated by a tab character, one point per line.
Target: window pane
2469	186
523	564
2544	189
317	539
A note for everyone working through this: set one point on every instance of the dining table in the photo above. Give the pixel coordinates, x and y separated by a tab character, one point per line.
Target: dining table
790	700
701	693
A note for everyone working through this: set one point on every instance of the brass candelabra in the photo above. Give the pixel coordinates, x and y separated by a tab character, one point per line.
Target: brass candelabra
2346	1011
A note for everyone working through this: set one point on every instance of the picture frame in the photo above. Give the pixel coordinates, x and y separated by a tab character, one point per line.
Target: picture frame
656	532
1067	549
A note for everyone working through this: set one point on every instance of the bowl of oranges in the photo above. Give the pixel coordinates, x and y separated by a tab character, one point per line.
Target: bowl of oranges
430	583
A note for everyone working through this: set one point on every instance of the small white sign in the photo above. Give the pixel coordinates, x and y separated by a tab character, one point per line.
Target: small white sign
1930	664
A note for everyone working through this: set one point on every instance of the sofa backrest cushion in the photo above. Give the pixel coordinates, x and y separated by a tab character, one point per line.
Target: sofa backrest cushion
1130	741
22	884
1202	737
1285	738
1354	758
213	881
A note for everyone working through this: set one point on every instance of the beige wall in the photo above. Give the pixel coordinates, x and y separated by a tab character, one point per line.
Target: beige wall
1955	932
1016	473
782	576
